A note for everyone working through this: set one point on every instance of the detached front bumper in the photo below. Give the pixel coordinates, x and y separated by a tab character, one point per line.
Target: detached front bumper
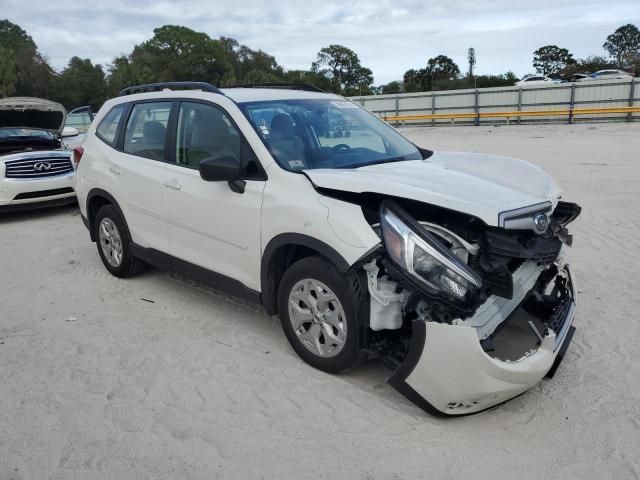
447	372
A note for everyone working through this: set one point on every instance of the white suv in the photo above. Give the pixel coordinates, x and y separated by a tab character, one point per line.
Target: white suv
445	265
36	165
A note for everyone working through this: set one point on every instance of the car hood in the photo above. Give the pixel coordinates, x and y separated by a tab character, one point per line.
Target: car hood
28	112
476	184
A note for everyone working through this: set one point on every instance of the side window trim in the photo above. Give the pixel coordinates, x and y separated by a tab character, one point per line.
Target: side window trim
124	119
260	176
172	135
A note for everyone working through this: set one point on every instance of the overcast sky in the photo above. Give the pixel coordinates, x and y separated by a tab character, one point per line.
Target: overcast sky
390	36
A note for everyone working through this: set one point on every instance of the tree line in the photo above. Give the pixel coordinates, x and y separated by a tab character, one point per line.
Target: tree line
176	53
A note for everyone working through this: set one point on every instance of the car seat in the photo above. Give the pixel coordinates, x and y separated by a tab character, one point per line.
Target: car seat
210	137
285	143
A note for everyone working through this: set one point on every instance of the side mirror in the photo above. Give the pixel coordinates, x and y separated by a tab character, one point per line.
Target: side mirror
222	169
69	132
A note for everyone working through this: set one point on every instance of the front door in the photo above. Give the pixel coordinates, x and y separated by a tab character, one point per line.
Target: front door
210	225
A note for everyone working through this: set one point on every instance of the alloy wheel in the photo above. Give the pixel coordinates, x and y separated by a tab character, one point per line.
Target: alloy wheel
317	318
110	242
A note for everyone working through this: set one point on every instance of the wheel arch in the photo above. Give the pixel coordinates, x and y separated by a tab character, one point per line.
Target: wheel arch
96	199
281	252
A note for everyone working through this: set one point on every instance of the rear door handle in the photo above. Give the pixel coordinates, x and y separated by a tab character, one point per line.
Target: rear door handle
173	184
115	170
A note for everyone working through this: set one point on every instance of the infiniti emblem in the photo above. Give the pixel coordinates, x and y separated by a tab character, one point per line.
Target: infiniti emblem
542	222
42	167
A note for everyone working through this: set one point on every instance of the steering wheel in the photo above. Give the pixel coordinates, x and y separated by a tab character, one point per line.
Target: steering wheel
340	148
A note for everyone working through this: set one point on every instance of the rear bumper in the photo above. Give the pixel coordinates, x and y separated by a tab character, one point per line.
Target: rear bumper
446	371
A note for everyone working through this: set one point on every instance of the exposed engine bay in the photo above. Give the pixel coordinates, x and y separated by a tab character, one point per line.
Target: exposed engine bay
509	284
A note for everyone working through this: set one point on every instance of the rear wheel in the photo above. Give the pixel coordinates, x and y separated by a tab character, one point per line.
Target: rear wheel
114	245
319	314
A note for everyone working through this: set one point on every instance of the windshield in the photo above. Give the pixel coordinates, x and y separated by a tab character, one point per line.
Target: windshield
24	133
331	133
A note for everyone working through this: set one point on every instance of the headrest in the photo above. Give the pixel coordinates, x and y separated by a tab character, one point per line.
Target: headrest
209	129
153	132
282	127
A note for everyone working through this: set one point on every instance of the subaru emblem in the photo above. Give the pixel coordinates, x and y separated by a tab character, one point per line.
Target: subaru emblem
542	222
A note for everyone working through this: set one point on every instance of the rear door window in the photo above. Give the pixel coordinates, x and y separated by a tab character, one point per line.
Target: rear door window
108	127
147	130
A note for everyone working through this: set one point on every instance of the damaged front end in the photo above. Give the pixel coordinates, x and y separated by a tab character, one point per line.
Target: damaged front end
469	316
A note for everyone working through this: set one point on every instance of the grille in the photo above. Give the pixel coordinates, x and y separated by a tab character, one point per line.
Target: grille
500	248
38	167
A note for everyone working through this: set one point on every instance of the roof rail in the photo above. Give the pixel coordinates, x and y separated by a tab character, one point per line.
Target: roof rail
293	86
151	87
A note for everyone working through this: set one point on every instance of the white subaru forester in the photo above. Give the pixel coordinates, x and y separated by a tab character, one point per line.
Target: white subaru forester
445	265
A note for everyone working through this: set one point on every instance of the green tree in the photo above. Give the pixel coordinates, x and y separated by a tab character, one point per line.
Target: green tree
484	81
586	65
411	80
442	67
311	78
623	44
551	59
391	87
24	70
177	53
8	74
81	83
174	53
256	66
439	74
342	66
362	82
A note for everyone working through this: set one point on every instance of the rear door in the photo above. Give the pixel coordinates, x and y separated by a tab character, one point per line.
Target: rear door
141	169
210	225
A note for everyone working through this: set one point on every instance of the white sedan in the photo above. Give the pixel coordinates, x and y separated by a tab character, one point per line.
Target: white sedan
537	80
609	75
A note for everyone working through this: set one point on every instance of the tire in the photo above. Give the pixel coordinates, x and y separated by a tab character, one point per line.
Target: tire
113	238
337	312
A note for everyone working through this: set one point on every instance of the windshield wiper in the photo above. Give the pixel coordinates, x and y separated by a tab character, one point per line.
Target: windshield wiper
374	162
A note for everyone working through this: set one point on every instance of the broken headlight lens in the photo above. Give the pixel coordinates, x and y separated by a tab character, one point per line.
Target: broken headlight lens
425	258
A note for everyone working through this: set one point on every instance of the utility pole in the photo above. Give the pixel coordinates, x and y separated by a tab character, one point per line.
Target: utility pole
471	58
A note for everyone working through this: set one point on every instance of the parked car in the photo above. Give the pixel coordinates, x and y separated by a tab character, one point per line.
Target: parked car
538	80
446	265
579	77
610	75
76	125
80	118
36	169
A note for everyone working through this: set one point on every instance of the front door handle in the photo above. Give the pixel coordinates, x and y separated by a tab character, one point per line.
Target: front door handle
173	184
113	169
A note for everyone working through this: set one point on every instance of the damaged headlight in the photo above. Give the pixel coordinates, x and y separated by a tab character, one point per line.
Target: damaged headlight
425	258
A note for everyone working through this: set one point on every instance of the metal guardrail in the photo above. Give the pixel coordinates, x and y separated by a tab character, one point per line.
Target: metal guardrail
617	98
572	112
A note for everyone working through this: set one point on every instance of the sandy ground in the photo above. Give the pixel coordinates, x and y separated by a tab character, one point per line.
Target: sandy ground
98	383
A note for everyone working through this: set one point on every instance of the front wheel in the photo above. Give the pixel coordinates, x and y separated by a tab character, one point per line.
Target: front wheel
319	310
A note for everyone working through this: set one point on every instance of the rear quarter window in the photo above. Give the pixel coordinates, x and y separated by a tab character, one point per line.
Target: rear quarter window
108	128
